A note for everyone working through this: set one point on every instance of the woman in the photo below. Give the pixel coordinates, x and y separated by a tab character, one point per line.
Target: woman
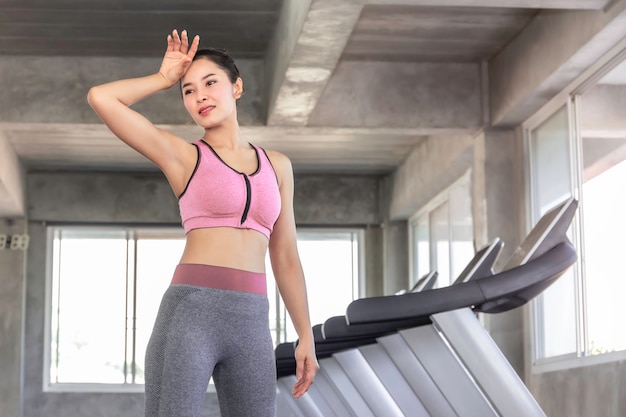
236	202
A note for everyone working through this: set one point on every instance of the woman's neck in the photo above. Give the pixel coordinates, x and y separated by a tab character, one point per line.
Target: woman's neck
224	136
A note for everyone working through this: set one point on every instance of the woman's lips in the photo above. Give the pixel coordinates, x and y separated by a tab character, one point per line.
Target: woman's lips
205	110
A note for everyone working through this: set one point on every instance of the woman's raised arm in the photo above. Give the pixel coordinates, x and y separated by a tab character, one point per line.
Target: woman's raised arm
111	102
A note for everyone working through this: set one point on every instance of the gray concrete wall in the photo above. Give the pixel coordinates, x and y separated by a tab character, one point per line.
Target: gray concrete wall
596	391
147	199
400	94
431	167
504	193
12	284
336	200
54	89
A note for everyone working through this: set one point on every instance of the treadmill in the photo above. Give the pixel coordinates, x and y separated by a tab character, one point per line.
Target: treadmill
429	347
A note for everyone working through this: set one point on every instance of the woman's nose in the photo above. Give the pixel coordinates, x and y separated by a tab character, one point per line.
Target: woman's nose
200	96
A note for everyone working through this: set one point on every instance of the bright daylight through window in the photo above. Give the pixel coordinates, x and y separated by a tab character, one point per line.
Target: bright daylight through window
441	235
105	286
581	150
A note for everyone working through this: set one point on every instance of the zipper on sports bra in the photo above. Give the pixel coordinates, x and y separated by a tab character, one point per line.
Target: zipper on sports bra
248	195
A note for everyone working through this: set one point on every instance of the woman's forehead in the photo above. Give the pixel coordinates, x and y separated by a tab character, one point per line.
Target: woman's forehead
200	68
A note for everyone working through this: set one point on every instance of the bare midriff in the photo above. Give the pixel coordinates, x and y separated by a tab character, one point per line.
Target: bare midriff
243	249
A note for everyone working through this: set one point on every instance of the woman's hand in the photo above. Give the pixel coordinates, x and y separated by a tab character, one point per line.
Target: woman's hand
306	367
178	56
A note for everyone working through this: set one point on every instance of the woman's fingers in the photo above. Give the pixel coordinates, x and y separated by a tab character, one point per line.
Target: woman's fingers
184	45
194	46
178	56
176	40
305	372
176	43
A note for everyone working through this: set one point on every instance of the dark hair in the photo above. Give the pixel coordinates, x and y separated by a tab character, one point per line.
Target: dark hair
221	58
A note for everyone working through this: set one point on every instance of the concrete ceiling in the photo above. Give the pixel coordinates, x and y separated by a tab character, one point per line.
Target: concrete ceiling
293	55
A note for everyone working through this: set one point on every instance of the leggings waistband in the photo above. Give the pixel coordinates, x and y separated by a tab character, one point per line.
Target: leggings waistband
220	277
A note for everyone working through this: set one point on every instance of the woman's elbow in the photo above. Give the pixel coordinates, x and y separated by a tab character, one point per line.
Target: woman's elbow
93	96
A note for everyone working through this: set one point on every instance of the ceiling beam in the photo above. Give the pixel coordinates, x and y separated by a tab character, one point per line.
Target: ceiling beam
523	4
304	55
547	56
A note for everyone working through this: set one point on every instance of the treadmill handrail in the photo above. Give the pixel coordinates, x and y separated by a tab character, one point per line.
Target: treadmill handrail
468	294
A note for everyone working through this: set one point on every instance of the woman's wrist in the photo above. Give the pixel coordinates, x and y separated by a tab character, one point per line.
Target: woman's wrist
306	338
165	82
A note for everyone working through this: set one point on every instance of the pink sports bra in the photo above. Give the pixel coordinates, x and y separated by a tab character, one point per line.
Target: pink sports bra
217	195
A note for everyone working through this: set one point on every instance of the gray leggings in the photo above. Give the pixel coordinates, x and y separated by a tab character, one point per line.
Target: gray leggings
202	332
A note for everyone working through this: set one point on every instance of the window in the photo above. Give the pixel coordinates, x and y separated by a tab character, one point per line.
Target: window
441	235
550	160
106	283
330	259
603	174
106	286
605	284
580	150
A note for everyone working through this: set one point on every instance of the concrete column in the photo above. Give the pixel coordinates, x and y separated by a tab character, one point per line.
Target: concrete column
373	262
12	284
396	256
11	180
394	246
504	194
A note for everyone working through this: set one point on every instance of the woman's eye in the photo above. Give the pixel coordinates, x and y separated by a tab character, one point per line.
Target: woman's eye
187	92
210	82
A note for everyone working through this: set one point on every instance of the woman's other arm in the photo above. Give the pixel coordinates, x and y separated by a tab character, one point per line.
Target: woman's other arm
290	277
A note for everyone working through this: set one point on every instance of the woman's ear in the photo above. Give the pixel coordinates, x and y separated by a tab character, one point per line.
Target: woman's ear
238	88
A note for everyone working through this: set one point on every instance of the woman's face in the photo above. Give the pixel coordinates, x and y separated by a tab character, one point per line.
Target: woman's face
208	95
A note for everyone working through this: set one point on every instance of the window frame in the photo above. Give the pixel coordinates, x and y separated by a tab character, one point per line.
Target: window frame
569	97
358	290
132	233
443	197
358	281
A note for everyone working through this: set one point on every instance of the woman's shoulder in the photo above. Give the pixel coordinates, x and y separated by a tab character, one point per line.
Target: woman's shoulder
278	159
276	156
281	164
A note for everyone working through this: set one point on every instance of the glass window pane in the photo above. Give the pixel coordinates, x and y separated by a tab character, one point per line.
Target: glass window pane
90	283
421	248
603	127
156	261
551	162
331	273
440	243
461	229
555	307
442	236
277	324
605	224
